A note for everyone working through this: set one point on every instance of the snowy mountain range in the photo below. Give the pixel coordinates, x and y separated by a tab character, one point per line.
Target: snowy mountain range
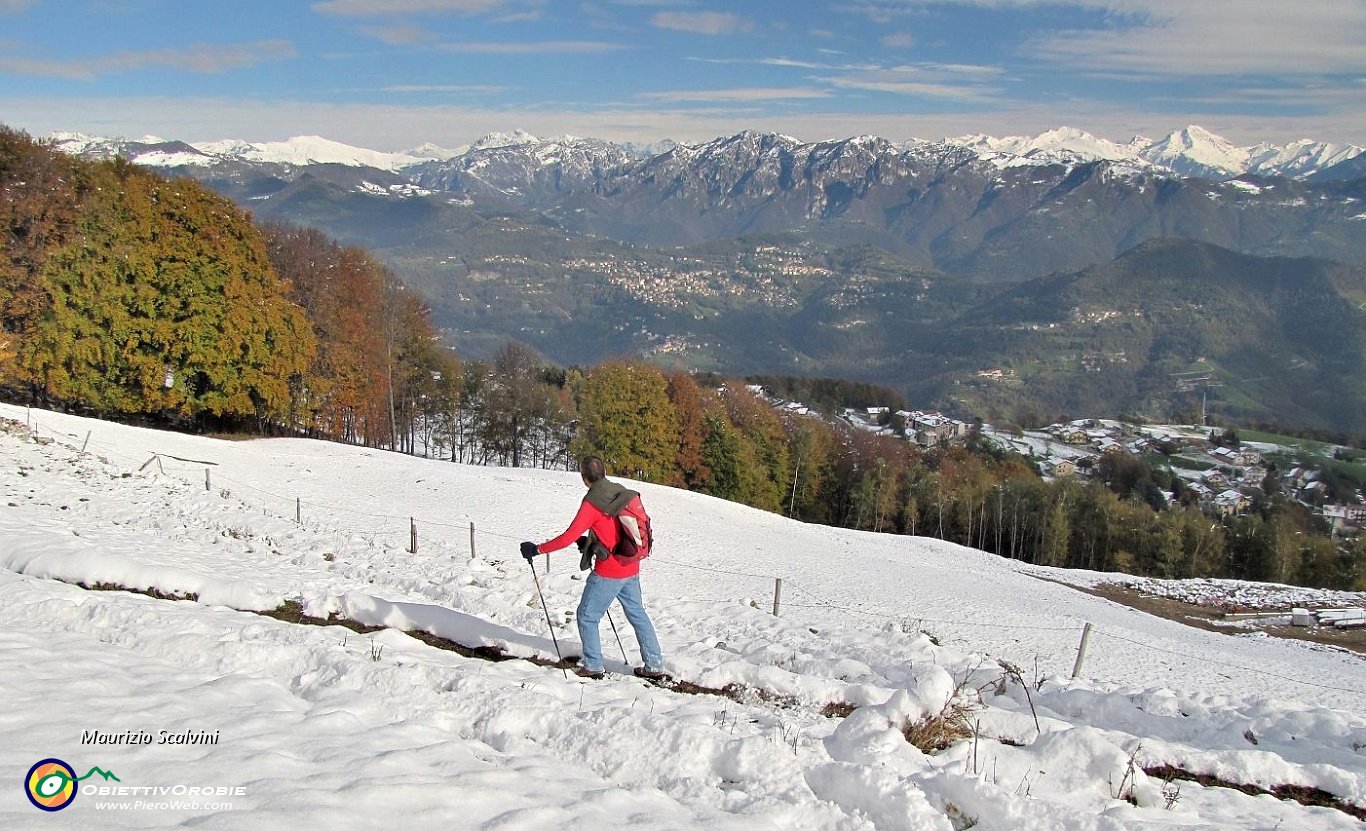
1192	151
854	258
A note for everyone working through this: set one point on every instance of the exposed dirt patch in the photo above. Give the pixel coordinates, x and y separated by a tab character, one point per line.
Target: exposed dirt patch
1299	793
1212	619
292	612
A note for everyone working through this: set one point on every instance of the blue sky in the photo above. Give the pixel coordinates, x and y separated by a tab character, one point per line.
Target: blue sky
391	74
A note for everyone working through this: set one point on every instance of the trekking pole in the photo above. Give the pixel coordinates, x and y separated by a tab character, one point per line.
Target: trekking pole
624	659
548	624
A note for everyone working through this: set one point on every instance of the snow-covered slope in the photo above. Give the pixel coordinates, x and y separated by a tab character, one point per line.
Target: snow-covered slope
1063	145
1196	151
354	731
1192	151
298	151
305	150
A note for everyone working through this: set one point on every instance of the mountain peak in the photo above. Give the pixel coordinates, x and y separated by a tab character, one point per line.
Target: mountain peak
515	138
1195	151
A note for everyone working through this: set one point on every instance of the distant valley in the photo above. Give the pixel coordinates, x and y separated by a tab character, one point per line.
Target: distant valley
1020	279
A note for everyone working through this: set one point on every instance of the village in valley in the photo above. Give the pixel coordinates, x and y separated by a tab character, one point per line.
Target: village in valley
1226	476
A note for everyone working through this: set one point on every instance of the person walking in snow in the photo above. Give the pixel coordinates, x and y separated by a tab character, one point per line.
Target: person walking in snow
612	577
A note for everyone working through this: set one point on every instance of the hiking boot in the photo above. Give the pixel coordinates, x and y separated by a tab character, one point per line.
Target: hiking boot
651	674
585	672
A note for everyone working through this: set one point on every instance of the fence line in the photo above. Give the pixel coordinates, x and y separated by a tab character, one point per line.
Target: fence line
1207	660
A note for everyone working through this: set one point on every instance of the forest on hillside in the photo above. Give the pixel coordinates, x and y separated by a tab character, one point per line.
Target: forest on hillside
128	295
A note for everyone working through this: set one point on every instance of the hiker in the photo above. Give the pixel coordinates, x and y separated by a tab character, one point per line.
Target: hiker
612	577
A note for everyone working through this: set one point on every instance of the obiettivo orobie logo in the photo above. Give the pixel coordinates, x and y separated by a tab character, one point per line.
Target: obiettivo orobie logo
51	784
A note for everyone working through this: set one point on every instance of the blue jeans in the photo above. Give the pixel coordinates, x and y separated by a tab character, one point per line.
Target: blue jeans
598	594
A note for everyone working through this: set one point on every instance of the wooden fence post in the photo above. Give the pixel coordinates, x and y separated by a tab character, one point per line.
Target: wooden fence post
207	486
777	593
412	535
472	554
299	510
1081	649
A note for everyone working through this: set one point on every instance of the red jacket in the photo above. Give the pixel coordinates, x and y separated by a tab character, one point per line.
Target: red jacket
605	528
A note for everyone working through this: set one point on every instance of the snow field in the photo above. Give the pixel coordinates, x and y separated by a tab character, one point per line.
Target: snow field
455	742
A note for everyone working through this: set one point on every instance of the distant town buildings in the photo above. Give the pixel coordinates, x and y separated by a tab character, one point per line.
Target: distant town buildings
924	427
1223	481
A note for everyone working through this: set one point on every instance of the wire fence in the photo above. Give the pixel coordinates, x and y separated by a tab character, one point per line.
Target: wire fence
814	600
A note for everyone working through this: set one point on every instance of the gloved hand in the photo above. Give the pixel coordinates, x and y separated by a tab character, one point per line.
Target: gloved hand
529	551
582	542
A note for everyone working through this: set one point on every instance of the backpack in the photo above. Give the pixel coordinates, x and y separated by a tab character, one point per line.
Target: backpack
634	536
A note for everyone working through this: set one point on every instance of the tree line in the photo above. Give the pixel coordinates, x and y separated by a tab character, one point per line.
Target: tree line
725	438
126	294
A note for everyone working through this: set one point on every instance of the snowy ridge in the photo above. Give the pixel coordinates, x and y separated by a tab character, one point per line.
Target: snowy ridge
306	150
1062	145
354	729
1192	151
298	151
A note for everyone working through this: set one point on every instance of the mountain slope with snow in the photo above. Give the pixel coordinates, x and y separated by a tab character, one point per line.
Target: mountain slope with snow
356	729
300	151
1192	151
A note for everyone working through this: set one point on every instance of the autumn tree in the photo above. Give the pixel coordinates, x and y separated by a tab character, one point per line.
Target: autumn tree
379	376
38	204
690	468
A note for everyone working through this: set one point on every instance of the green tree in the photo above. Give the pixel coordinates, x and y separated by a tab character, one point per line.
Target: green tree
770	476
811	446
164	301
721	450
626	417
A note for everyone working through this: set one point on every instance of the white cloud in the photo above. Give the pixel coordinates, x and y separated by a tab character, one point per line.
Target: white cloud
382	8
7	6
542	47
202	58
743	94
790	62
453	89
956	82
898	40
1179	38
1308	37
703	23
918	89
399	35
